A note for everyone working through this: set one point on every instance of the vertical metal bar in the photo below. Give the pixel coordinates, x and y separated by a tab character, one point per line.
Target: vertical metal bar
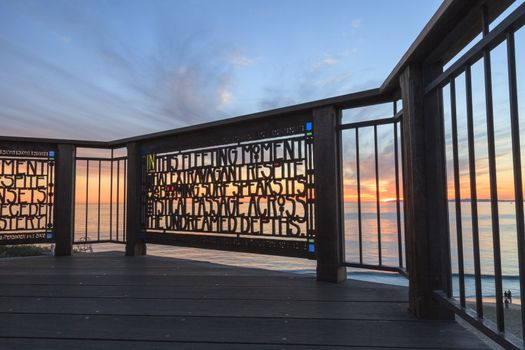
402	143
378	205
307	171
111	198
98	204
311	179
341	199
516	157
51	201
398	209
87	195
125	202
457	191
360	227
48	182
118	196
473	192
493	179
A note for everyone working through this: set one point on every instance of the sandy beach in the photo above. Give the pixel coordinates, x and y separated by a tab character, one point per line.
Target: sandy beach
512	315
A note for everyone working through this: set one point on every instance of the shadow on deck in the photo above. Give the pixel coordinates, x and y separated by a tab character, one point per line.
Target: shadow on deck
107	301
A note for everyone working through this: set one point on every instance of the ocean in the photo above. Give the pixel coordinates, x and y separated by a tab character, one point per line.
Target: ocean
507	225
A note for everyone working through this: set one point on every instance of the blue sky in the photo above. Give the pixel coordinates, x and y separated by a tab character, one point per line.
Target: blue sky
109	69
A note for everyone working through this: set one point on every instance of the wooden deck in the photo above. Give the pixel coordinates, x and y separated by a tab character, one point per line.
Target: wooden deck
107	301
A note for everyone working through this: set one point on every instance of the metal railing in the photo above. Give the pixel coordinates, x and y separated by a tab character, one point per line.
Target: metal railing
461	72
386	150
100	217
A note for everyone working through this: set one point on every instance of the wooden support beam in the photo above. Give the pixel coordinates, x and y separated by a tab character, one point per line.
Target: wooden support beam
135	244
425	194
64	200
328	196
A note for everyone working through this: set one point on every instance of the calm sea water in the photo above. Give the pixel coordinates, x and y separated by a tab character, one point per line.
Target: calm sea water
389	241
507	226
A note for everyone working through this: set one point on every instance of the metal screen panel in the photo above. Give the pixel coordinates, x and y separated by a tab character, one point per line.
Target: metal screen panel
26	196
253	195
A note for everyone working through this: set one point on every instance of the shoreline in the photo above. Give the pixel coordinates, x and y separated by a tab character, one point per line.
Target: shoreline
492	301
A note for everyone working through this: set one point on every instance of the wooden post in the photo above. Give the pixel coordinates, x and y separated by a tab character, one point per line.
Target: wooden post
64	200
135	244
328	196
425	194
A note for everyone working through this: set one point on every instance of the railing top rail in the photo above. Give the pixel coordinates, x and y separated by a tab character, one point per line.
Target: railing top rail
463	15
52	141
495	37
373	122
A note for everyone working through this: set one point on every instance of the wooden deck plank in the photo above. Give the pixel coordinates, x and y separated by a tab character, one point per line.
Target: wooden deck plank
202	307
106	301
239	330
54	344
173	281
207	291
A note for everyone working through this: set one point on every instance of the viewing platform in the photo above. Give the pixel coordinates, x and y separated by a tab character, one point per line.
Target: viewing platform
404	179
106	301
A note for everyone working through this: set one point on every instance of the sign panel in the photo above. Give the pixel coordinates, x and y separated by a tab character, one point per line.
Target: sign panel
26	196
254	195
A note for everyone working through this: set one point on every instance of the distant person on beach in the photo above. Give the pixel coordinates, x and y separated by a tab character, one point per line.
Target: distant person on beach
509	295
505	295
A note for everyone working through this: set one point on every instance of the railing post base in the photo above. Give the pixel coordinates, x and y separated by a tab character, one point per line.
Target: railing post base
137	249
333	274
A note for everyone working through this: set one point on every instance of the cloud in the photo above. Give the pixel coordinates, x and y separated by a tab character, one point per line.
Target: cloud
240	60
327	61
274	97
189	87
224	96
54	101
325	78
356	23
132	91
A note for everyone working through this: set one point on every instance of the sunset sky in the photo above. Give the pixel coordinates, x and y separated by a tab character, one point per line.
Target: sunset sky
110	69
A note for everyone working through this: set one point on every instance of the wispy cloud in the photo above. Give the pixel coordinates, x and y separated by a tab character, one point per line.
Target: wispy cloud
321	79
356	23
327	61
132	92
239	60
224	96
